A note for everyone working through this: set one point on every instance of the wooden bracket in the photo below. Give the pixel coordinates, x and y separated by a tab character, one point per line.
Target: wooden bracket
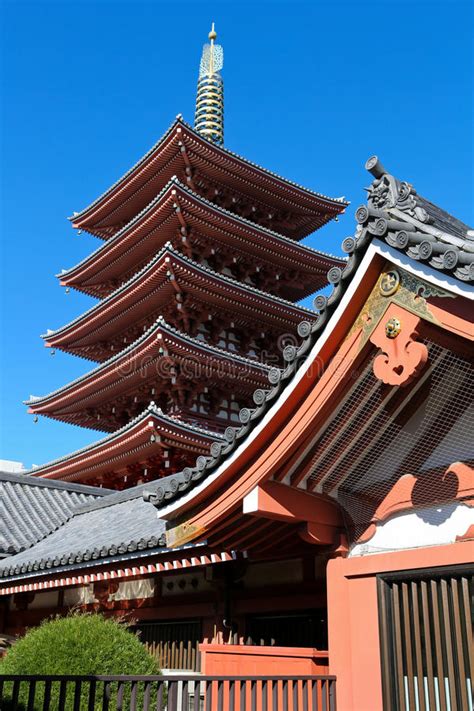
321	517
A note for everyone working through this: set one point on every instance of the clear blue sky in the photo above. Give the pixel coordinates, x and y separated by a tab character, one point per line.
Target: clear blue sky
311	90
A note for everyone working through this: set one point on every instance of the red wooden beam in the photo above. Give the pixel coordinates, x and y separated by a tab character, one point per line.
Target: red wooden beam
285	503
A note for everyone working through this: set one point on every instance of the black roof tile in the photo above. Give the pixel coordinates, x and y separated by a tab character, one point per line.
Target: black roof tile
32	508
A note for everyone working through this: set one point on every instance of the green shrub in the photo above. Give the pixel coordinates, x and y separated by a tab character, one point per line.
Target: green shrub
79	644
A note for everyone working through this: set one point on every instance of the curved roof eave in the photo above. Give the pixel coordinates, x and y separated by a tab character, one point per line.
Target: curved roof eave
367	242
159	325
210	472
176	183
80	216
207	271
151	411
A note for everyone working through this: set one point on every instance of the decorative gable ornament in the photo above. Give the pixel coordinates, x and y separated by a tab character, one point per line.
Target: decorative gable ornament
403	356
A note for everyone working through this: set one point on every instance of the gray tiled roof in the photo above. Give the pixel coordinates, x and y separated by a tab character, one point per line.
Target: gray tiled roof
396	213
31	508
120	523
111	526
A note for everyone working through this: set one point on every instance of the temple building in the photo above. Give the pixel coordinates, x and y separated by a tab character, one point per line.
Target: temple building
330	529
198	280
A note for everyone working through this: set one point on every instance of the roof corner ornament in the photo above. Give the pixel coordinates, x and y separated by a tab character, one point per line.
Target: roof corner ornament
209	116
387	192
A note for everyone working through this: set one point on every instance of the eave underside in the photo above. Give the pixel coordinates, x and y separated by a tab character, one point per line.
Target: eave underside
378	433
153	447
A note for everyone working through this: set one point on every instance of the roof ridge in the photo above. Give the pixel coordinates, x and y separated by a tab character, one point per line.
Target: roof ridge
204	344
28	479
119	497
340	200
250	223
236	282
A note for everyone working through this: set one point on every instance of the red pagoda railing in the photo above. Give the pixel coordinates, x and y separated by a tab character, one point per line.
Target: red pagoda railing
167	693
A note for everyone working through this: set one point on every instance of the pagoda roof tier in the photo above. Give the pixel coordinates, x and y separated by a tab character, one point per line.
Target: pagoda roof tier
141	442
180	215
173	283
210	169
163	361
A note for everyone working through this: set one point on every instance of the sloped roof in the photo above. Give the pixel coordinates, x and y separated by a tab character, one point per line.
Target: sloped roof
412	224
31	508
125	524
151	415
155	274
92	380
174	198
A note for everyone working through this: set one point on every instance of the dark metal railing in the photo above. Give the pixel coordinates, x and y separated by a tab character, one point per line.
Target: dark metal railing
167	693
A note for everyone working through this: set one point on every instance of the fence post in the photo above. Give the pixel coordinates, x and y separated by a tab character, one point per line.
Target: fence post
332	695
169	693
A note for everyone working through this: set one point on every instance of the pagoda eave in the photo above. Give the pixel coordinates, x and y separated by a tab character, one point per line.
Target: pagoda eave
171	278
176	214
142	440
148	364
184	152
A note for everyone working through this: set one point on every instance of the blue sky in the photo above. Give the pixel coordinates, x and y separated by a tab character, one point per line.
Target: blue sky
311	90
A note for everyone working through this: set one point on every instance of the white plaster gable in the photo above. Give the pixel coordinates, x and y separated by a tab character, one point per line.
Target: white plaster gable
431	526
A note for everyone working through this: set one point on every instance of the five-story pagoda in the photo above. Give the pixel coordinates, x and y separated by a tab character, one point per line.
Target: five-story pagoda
198	277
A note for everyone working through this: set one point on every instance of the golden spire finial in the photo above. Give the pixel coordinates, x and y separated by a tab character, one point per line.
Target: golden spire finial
212	34
209	117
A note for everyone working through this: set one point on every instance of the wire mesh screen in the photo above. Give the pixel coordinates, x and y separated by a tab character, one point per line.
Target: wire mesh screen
381	433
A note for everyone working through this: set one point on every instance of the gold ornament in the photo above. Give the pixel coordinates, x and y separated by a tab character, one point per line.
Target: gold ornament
393	328
389	283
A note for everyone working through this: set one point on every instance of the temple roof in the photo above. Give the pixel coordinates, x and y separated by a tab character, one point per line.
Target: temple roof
31	509
356	247
143	436
124	529
128	525
154	287
177	210
183	151
180	485
135	365
412	224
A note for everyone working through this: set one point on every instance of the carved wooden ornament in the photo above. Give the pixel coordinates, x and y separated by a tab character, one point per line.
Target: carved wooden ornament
402	357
